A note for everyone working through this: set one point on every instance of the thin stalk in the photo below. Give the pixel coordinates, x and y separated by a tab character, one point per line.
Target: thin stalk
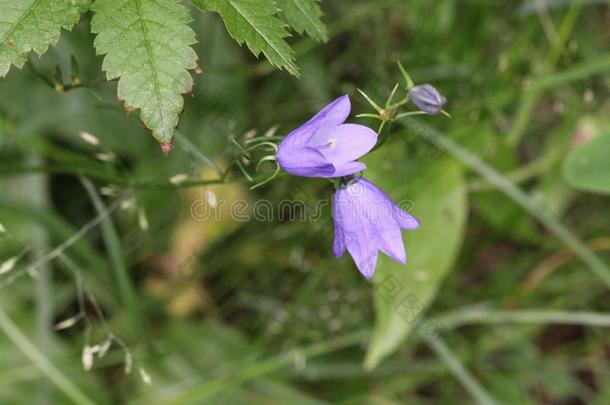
470	316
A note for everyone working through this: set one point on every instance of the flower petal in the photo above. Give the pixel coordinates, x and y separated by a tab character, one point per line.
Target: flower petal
349	168
336	112
391	242
339	241
359	236
344	143
366	261
330	116
405	220
305	162
379	212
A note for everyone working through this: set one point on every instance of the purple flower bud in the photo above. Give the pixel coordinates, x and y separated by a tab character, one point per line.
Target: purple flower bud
427	98
368	221
326	147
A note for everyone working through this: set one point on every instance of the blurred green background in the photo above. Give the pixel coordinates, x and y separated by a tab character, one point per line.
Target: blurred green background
506	293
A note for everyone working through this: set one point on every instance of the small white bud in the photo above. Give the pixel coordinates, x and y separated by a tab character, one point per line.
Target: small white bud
106	157
271	132
87	357
299	360
142	220
128	363
67	323
9	265
127	204
211	198
2	229
179	178
90	139
108	191
104	348
145	376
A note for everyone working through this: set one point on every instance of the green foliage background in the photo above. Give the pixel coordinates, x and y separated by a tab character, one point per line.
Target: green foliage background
509	272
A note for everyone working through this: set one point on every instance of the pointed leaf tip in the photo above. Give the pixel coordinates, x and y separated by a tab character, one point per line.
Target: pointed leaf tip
166	147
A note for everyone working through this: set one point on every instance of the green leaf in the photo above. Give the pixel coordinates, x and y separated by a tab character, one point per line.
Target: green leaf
402	293
254	22
304	16
588	166
27	25
147	45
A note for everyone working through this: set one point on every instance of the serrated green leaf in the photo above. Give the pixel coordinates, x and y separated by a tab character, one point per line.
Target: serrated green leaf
304	16
588	166
254	22
27	25
438	194
147	45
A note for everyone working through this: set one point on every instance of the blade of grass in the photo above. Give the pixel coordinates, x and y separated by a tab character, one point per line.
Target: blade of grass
567	25
444	353
553	224
29	349
469	316
36	191
121	274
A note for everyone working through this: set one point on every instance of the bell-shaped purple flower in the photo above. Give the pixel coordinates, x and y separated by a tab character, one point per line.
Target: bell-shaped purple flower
427	98
326	147
368	221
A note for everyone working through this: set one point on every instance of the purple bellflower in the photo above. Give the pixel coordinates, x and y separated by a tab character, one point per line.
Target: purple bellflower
427	98
368	221
326	147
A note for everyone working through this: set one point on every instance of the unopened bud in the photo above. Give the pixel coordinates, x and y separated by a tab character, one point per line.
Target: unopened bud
427	98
